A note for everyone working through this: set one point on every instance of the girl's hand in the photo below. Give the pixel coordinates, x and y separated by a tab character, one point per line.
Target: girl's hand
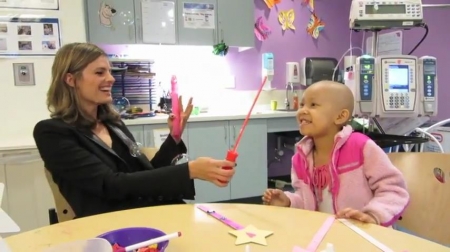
349	213
276	197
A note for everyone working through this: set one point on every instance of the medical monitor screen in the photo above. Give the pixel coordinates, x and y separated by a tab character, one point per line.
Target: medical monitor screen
429	69
386	9
398	78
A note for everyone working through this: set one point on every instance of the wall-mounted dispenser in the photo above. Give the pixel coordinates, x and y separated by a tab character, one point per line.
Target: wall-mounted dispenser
315	69
268	70
293	73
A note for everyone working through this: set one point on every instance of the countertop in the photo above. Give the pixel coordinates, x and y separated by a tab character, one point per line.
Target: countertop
212	116
28	143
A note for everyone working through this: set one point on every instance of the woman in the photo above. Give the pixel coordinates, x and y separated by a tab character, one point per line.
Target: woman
88	149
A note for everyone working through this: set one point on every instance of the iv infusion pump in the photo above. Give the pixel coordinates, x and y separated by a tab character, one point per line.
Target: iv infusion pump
429	87
370	14
395	86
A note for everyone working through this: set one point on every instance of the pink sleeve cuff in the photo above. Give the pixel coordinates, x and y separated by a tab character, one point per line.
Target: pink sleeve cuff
377	220
295	200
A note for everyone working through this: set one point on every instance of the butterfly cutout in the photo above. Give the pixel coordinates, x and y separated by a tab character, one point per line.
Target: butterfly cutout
271	3
310	4
315	26
286	19
262	31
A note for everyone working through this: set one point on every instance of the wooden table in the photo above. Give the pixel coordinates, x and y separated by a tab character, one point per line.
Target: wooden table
204	233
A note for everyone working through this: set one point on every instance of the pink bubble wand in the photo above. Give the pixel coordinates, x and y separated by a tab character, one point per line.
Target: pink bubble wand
176	124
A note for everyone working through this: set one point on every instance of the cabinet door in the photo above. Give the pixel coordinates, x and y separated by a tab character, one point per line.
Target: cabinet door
30	196
236	22
209	139
4	200
188	34
250	179
149	138
4	197
110	22
138	133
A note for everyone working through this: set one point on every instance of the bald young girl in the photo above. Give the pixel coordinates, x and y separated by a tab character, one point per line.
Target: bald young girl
336	170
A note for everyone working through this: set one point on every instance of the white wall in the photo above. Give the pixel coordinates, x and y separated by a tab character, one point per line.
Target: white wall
22	107
201	75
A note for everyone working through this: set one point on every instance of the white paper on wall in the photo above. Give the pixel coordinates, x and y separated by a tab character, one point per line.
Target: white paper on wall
388	44
159	136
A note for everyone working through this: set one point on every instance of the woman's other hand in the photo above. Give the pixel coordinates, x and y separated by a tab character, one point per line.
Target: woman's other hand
185	113
209	169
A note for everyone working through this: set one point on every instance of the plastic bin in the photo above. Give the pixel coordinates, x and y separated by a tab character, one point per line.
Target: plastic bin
129	236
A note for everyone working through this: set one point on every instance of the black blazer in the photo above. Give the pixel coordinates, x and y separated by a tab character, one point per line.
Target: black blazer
94	179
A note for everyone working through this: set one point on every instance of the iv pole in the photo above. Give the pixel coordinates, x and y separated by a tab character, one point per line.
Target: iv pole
374	53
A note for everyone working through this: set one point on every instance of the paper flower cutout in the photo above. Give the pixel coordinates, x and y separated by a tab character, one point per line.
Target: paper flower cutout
271	3
310	4
262	31
315	26
286	19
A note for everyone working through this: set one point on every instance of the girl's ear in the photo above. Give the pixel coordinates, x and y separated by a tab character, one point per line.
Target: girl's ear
343	117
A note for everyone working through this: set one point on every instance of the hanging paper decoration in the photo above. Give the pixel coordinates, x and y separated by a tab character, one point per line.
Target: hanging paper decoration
286	19
262	31
310	4
271	3
220	49
315	26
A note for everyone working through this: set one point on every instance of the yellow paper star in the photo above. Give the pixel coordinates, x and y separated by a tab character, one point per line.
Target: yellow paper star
286	19
250	234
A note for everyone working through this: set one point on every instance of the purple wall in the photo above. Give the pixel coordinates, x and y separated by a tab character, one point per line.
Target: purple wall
434	45
292	45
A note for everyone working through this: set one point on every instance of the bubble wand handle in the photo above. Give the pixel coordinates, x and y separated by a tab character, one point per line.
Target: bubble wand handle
232	154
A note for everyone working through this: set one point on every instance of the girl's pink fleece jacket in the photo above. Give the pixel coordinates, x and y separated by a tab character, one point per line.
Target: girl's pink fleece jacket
363	178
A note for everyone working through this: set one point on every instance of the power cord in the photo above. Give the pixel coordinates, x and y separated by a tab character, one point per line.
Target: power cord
425	26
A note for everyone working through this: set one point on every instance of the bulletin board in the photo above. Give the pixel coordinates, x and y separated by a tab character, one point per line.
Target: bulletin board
158	22
29	36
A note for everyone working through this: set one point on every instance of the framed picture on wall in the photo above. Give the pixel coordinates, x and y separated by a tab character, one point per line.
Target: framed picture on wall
29	36
30	4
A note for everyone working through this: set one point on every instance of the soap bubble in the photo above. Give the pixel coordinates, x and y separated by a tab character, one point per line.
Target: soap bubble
125	18
121	104
180	159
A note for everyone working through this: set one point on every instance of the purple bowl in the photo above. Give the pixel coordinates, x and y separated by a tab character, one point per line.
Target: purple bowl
129	236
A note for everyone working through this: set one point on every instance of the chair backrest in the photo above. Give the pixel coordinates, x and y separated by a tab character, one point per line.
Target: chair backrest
149	152
63	209
427	175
